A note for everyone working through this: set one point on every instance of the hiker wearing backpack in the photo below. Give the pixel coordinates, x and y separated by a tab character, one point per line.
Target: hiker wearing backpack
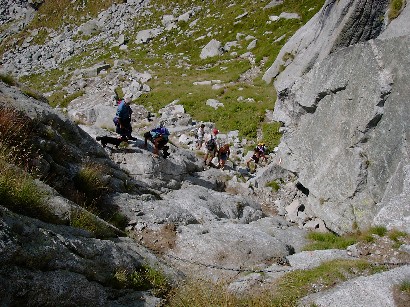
159	138
262	151
122	119
200	134
255	158
211	147
223	155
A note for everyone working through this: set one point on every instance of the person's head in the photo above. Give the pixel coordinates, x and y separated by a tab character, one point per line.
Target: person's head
215	131
202	126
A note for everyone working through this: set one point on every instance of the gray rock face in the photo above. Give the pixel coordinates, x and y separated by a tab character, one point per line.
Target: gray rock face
342	120
59	263
345	130
360	292
398	26
337	25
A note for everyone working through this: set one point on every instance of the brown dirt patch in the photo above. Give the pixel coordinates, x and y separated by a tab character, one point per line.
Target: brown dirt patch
159	241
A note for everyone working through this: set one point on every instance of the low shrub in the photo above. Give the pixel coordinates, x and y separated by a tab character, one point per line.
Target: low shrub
405	286
88	221
395	8
16	130
20	194
8	79
90	182
144	278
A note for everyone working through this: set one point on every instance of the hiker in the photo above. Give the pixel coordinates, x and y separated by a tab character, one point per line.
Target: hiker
211	147
255	157
223	155
122	119
159	138
200	134
262	150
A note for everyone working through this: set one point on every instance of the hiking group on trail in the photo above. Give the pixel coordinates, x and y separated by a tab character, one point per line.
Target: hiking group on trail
259	152
159	137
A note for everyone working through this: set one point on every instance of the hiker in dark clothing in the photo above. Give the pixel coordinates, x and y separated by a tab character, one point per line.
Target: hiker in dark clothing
255	157
159	138
223	155
211	147
122	119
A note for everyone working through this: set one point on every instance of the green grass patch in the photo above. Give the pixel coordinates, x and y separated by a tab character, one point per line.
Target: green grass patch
274	184
271	134
405	286
381	231
295	285
20	194
395	8
285	292
62	99
88	221
8	79
322	241
144	278
90	182
398	237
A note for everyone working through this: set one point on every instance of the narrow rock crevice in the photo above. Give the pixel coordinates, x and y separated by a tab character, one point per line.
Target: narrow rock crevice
320	96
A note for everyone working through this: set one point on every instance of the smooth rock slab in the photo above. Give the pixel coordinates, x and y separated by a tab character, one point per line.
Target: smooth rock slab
369	291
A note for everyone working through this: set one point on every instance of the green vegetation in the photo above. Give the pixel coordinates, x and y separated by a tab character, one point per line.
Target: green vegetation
405	286
19	193
275	185
144	278
8	79
62	99
329	241
285	292
395	8
88	221
175	61
397	236
271	134
90	182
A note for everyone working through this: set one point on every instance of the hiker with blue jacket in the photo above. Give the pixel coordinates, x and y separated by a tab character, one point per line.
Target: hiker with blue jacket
122	119
159	138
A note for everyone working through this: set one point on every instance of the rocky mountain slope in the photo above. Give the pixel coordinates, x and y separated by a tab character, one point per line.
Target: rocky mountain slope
343	103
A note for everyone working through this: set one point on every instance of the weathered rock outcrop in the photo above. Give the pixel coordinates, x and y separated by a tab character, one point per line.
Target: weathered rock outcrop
347	120
361	290
339	24
43	263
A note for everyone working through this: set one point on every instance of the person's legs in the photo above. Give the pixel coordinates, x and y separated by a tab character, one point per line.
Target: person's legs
206	157
156	145
147	136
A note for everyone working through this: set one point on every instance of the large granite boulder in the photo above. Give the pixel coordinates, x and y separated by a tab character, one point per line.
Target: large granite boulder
346	129
337	25
43	263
